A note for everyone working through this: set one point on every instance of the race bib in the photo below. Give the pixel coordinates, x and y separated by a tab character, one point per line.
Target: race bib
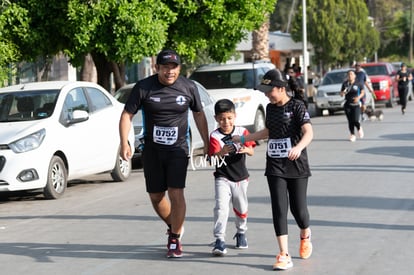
279	148
165	135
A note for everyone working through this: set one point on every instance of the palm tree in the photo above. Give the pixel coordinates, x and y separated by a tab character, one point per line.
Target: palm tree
260	41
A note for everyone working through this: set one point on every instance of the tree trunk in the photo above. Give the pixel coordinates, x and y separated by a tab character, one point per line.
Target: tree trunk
119	74
103	69
88	72
260	42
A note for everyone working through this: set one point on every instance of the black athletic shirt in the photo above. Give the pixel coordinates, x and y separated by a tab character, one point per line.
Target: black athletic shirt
401	81
285	127
234	166
165	109
352	90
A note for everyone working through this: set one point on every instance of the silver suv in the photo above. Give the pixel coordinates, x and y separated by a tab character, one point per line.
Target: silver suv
237	82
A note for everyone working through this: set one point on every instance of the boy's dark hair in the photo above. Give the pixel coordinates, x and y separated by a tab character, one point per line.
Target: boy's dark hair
224	106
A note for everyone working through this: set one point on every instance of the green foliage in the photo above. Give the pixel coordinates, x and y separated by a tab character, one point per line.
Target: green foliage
340	31
13	26
129	30
125	31
47	29
118	29
279	19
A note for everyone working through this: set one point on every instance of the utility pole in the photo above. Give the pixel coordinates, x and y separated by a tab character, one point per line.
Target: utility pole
305	48
410	55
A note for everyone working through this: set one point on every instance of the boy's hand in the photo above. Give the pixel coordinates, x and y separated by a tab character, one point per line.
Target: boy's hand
227	149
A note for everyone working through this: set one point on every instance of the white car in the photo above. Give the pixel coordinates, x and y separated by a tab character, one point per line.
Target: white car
328	92
52	132
196	141
237	82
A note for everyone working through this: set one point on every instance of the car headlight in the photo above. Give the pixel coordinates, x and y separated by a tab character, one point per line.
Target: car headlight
29	142
383	84
320	93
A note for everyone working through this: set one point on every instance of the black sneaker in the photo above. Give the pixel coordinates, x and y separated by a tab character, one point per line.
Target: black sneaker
219	248
174	248
241	241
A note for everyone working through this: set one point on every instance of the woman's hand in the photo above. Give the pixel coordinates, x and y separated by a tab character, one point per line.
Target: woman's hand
294	153
236	139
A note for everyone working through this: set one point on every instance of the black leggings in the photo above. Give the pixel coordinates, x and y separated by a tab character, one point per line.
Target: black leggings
353	114
294	190
402	93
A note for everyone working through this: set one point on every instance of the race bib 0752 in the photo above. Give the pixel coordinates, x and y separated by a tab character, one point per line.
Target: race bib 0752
165	135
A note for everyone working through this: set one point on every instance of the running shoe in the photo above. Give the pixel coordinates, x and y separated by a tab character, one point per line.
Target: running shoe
361	133
283	262
241	241
219	248
305	249
352	138
174	248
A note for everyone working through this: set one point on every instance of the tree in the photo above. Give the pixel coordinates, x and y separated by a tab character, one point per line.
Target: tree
46	37
13	23
281	18
114	32
340	31
119	31
260	42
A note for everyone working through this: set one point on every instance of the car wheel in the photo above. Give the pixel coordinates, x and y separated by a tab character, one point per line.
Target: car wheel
259	123
122	168
57	179
318	111
390	102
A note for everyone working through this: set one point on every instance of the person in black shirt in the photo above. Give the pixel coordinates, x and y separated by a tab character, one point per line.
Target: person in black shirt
289	132
165	99
353	90
361	76
403	77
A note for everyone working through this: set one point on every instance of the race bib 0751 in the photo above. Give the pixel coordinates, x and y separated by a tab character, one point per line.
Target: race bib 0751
279	148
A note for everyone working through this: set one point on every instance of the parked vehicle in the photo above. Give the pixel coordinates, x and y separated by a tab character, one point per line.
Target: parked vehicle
208	102
382	76
237	82
52	132
328	92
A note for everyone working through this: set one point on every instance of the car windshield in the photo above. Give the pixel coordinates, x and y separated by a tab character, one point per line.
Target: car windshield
225	79
334	78
27	105
376	70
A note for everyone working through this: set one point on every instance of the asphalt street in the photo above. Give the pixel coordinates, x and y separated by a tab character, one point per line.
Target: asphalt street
360	201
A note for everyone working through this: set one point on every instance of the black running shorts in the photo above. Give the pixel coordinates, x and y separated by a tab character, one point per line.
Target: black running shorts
164	168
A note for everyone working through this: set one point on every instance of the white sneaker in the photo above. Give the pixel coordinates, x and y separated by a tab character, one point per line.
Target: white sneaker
352	138
361	133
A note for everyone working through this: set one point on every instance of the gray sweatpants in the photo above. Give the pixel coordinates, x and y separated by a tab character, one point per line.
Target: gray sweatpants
227	191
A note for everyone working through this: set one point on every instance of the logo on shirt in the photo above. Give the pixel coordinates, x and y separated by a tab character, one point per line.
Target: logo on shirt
180	100
155	99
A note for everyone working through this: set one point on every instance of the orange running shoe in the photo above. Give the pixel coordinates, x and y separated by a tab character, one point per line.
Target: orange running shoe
305	249
283	262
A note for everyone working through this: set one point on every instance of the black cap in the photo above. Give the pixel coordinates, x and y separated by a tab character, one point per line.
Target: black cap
272	78
168	56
